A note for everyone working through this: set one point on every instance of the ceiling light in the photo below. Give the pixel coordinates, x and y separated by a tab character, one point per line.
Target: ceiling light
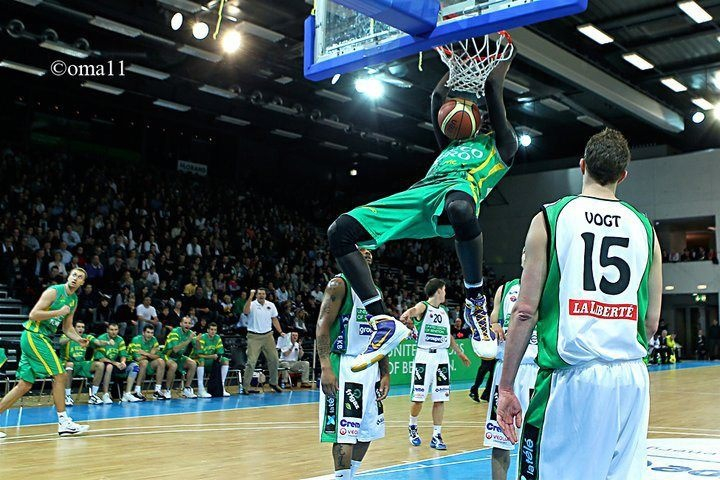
673	84
184	5
525	140
285	133
200	30
717	112
421	149
21	67
669	288
199	53
588	120
381	138
702	287
516	87
220	92
371	87
32	3
702	103
65	49
594	33
426	126
388	113
176	21
234	120
171	105
333	146
283	80
116	27
231	41
332	122
336	77
555	105
333	96
353	172
375	156
100	87
695	11
147	72
276	107
637	61
698	117
262	32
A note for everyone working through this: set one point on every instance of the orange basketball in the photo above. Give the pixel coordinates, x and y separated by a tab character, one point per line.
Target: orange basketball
459	118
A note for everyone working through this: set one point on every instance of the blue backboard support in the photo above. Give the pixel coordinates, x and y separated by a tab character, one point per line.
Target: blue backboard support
447	31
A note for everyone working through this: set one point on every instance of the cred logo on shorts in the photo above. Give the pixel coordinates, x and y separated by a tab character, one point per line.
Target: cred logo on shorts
348	423
490	427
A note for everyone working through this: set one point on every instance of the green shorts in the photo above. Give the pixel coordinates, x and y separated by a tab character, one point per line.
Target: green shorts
180	363
413	213
82	369
38	358
208	362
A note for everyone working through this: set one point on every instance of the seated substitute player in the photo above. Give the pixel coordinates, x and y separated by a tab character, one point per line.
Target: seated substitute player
176	345
208	348
74	354
38	359
431	368
351	409
444	203
505	299
291	353
112	356
144	352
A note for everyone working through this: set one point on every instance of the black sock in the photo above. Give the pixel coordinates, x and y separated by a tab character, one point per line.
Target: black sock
357	271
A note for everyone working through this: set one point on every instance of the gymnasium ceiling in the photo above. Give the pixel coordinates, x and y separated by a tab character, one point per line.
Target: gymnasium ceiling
266	75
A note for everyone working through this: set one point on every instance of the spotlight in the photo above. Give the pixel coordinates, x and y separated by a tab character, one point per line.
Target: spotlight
176	21
335	78
231	41
353	172
525	140
370	87
200	30
698	117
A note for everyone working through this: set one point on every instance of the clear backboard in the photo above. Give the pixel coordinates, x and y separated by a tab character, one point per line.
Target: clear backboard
339	39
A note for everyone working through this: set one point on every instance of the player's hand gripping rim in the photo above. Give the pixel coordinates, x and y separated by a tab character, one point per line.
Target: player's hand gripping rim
509	413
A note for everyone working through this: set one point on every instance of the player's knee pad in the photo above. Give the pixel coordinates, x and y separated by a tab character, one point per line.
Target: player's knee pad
461	213
343	235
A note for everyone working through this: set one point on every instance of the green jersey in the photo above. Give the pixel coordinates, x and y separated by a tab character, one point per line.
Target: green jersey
205	345
49	327
476	160
351	331
111	352
174	338
139	343
72	351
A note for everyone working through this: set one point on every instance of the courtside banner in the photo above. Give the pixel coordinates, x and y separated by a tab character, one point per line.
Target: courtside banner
191	167
401	361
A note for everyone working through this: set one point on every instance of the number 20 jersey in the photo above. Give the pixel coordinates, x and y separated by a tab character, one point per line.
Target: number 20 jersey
595	298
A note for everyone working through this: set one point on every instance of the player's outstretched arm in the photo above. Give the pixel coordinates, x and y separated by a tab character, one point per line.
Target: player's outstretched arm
505	138
438	97
329	310
415	312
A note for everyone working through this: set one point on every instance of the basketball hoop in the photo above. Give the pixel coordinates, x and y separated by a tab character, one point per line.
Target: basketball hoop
471	61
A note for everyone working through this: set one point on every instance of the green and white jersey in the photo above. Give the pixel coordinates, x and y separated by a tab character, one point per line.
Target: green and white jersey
595	299
434	328
510	294
350	334
49	327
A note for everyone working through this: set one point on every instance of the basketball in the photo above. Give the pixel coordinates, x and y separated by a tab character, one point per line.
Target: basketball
459	119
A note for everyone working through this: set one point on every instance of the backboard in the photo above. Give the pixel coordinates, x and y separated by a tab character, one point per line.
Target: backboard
339	39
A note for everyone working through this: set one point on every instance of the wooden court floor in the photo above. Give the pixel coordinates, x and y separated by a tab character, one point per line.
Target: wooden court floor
282	442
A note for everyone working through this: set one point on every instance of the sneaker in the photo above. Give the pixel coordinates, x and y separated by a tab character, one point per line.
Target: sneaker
226	393
203	394
484	342
94	400
3	435
128	397
68	427
188	393
437	443
69	401
106	399
139	396
158	395
276	389
413	435
387	335
167	394
474	396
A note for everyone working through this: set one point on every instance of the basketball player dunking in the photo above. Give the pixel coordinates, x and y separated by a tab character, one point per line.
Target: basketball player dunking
592	284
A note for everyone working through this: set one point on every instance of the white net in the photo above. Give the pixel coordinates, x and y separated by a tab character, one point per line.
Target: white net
471	61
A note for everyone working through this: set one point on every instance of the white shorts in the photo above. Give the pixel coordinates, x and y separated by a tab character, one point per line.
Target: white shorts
354	414
523	387
587	422
431	374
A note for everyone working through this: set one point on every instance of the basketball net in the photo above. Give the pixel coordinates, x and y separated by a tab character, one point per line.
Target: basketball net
471	61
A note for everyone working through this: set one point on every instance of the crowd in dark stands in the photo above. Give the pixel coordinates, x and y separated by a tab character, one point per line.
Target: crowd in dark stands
191	245
691	255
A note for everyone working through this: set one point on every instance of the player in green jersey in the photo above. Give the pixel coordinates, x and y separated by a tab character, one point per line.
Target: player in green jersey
73	354
444	203
113	356
208	348
144	350
176	344
38	359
